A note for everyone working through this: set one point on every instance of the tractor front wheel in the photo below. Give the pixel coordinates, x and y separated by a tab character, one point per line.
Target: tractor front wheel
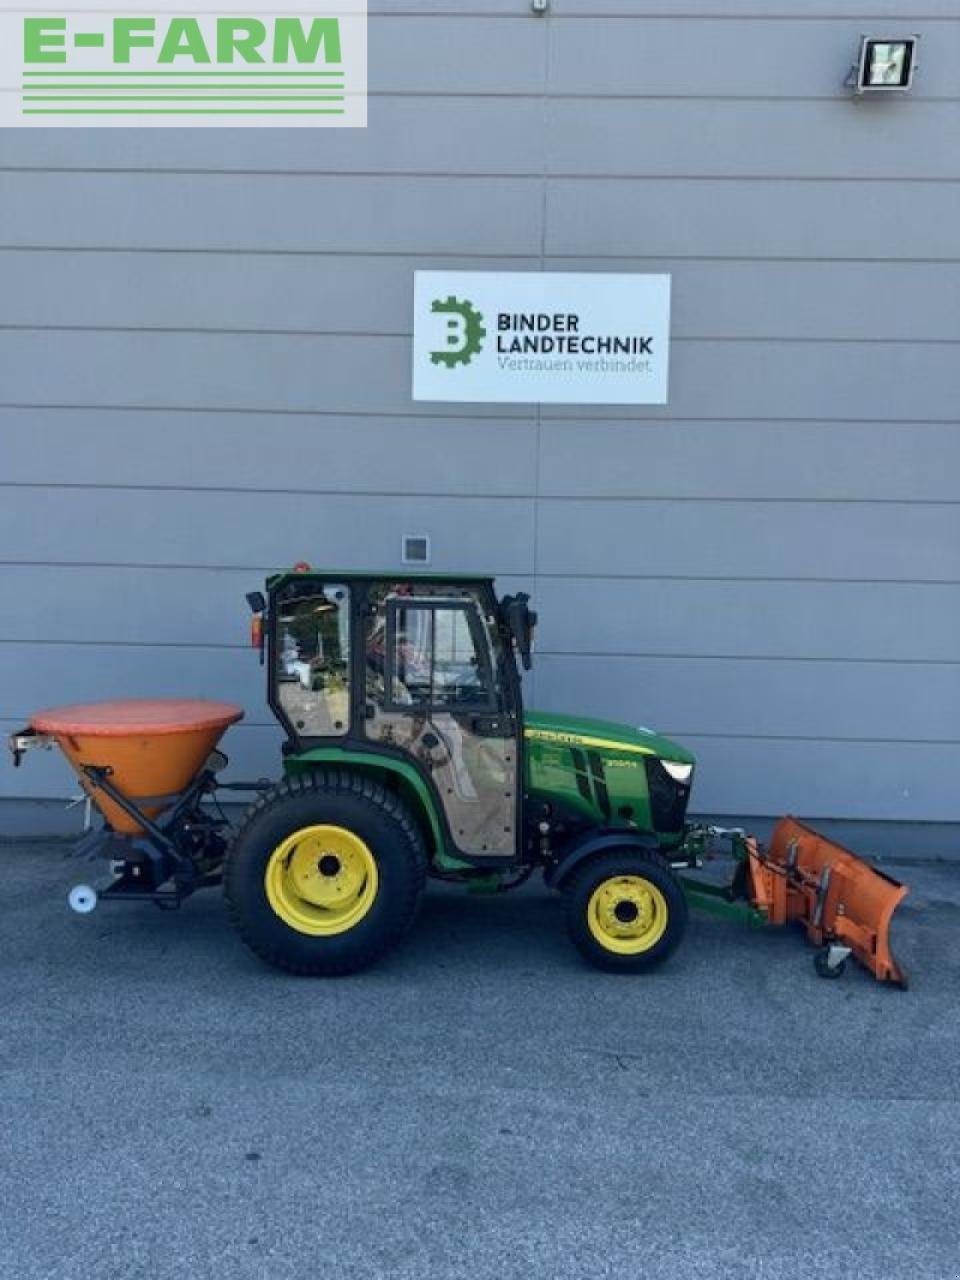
626	911
326	874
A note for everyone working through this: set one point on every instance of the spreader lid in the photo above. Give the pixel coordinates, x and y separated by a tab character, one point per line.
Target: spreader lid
126	716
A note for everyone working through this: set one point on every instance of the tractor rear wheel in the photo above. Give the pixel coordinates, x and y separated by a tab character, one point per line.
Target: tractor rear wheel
325	874
626	910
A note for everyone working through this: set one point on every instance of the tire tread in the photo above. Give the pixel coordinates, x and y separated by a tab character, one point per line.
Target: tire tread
574	892
326	782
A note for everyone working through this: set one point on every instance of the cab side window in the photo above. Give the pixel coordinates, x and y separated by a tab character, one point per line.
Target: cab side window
313	657
438	656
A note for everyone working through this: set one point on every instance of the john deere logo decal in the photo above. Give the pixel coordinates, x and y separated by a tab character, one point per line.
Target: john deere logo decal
465	332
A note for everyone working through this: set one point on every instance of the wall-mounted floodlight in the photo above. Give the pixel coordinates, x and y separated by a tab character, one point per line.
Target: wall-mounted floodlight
886	64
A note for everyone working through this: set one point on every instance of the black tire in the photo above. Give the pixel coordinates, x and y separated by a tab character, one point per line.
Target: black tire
365	809
587	879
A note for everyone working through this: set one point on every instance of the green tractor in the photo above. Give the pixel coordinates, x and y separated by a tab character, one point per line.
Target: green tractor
408	755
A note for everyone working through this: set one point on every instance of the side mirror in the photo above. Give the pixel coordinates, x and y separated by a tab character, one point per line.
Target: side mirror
257	603
520	621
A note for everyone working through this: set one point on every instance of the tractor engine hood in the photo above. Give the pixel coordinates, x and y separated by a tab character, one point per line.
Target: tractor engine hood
583	731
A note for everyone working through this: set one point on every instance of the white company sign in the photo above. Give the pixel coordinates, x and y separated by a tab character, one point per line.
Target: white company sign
552	337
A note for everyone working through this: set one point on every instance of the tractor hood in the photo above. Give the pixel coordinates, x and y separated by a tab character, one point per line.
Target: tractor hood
586	732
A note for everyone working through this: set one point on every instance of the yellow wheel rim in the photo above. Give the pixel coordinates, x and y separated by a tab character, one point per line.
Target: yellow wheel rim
321	880
627	914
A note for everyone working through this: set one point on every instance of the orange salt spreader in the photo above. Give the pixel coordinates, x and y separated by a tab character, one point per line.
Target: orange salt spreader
139	759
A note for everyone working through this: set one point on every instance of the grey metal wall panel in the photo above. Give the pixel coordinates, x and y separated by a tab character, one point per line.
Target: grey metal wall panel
658	138
506	136
374	294
808	299
400	9
180	608
726	139
838	621
247	371
904	11
778	379
277	212
86	673
764	459
106	526
824	701
730	56
259	292
843	621
480	54
314	453
779	218
878	781
769	565
705	217
751	539
371	374
135	606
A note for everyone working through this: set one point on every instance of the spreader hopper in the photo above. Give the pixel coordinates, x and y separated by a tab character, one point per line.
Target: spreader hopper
149	749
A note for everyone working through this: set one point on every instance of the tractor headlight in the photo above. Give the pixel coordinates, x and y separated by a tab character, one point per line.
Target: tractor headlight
678	772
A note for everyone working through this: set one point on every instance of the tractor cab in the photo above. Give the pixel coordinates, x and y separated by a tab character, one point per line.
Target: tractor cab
418	677
419	672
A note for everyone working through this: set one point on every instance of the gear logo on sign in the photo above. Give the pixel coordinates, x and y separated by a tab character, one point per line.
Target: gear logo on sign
465	332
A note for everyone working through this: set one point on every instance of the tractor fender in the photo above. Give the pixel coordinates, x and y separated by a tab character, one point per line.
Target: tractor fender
575	855
377	764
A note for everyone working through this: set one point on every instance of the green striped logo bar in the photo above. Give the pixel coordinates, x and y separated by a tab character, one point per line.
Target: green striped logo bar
93	68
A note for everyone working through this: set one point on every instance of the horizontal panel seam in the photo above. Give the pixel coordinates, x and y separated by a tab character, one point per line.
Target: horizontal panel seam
687	735
708	735
406	334
558	95
617	655
480	496
474	175
630	656
433	255
316	411
202	567
593	419
700	15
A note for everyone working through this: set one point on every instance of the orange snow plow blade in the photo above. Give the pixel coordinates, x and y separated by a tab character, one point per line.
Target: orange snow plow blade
838	898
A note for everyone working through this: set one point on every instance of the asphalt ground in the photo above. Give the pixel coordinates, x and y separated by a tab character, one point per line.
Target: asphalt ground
481	1105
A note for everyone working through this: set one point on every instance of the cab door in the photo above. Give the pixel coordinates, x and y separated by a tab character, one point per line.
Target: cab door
434	689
